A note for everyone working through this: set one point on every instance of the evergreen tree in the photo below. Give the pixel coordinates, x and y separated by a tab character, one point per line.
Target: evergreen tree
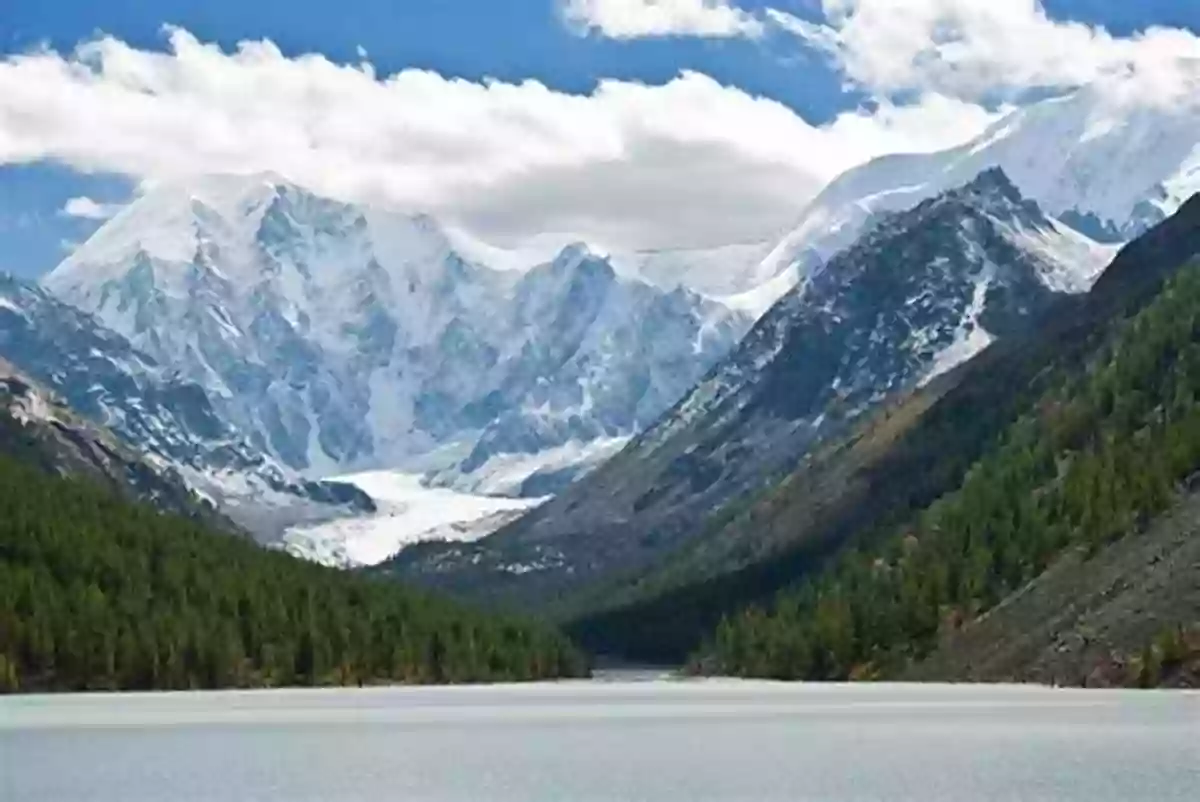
97	593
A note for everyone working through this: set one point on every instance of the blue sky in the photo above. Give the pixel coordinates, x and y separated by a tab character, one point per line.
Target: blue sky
509	40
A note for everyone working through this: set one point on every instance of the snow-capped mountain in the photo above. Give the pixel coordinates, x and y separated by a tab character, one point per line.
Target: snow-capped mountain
345	337
104	379
920	292
1109	165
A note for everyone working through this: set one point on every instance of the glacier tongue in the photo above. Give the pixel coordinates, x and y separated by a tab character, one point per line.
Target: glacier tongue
408	512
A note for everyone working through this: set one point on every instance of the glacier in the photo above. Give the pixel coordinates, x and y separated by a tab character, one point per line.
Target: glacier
408	512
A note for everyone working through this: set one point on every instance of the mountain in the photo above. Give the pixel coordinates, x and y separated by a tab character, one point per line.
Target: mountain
863	487
102	378
345	337
1108	165
919	293
37	428
1050	537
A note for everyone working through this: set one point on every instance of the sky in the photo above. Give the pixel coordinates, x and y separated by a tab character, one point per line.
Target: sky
629	123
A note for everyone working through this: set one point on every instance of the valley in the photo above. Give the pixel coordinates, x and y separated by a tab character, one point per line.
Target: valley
940	428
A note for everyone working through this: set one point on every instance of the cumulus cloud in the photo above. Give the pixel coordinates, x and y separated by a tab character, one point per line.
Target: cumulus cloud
687	163
88	209
984	49
633	19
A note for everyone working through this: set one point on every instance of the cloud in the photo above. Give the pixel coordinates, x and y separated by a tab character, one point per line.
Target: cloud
690	162
633	19
984	49
88	209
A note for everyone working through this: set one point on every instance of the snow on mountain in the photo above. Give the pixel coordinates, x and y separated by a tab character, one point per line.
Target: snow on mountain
408	512
40	430
1107	166
529	475
920	292
25	402
350	338
916	290
103	378
716	272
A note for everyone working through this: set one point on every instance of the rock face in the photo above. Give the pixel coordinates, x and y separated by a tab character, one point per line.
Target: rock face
102	378
36	427
346	338
919	293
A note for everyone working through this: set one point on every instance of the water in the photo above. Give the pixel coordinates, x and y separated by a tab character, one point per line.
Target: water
606	741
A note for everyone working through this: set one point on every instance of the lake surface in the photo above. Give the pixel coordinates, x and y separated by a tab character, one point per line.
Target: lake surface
655	741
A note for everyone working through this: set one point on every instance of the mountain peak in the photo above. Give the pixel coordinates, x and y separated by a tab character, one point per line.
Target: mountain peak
579	260
995	195
995	181
574	253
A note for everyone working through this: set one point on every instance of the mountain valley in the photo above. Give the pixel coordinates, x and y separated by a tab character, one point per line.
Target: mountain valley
944	427
979	262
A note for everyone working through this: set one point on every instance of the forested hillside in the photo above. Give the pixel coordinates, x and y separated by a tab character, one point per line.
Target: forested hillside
870	484
97	593
1103	452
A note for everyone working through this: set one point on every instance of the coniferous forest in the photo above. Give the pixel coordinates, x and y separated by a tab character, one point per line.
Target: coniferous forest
1101	453
97	593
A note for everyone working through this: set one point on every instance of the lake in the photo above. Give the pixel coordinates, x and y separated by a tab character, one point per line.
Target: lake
577	741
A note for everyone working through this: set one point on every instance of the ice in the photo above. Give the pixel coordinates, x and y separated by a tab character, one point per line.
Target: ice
408	513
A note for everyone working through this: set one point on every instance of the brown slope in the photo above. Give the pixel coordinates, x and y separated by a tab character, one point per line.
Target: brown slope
1089	620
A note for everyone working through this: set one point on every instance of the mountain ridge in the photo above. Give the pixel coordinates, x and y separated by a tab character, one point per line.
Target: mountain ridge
37	426
103	378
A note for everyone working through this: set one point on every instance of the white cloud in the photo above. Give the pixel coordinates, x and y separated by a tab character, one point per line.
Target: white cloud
633	19
687	163
976	49
88	209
